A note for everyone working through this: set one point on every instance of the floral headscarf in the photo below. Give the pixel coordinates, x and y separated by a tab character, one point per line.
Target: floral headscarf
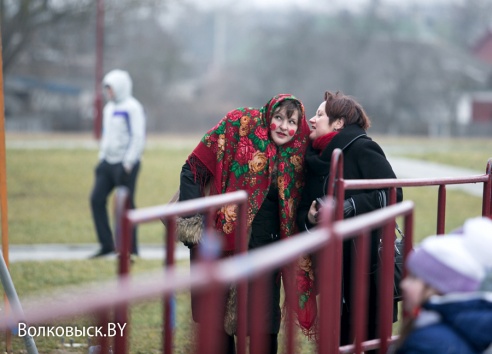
240	155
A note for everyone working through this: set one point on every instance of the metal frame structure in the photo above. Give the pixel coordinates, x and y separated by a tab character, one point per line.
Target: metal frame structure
212	277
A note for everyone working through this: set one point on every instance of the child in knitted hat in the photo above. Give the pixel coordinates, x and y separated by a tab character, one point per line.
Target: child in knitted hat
443	293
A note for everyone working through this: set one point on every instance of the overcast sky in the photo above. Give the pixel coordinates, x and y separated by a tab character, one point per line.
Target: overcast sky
313	4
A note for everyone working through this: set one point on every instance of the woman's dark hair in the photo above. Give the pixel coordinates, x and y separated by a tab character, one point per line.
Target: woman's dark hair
290	107
340	106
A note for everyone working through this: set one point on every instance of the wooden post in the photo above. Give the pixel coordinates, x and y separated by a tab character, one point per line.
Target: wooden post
3	191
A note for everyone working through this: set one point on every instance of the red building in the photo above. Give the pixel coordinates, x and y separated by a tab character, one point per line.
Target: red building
483	48
475	108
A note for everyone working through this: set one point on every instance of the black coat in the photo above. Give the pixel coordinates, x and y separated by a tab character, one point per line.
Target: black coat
362	159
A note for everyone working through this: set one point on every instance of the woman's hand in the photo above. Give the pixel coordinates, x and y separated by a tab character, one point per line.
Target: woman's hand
313	213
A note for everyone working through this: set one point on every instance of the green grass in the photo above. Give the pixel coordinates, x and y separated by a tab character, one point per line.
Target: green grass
48	200
40	279
48	193
470	153
459	207
32	281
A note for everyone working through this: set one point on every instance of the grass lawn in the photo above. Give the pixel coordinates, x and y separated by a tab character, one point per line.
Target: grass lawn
471	153
31	280
40	279
48	201
48	192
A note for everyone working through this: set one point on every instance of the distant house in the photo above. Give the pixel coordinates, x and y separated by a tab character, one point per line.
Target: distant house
483	48
35	104
474	109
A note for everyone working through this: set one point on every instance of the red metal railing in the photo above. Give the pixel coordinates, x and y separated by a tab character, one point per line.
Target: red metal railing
337	186
167	214
213	277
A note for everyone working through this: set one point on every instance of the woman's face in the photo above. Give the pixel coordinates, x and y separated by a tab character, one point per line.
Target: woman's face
320	124
283	128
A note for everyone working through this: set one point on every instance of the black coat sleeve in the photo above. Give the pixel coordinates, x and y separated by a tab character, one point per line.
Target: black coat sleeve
371	163
191	184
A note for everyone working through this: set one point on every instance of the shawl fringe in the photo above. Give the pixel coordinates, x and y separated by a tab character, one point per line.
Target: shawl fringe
201	173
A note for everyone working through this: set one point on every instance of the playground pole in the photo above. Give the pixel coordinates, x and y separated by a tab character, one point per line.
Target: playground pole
3	190
98	100
15	304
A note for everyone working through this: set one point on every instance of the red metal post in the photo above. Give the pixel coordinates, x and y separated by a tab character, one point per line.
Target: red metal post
3	195
408	245
359	290
335	157
168	298
242	286
328	320
330	273
210	340
123	237
103	320
336	193
386	285
487	191
98	100
290	293
392	196
441	209
259	292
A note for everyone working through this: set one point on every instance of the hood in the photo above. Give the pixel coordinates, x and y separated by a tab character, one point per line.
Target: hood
470	315
120	82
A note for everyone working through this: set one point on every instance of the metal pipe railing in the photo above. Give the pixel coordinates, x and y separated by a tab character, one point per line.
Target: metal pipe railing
336	188
15	305
167	214
213	278
338	185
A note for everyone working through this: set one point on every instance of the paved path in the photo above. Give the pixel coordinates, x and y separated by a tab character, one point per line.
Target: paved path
409	168
43	252
403	167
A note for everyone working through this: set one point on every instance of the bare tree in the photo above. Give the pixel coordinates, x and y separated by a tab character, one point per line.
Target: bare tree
21	20
468	21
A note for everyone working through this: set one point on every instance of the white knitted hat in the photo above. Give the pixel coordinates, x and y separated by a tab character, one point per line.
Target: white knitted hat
478	232
457	262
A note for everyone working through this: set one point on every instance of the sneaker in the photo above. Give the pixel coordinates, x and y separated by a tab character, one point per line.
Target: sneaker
101	253
133	257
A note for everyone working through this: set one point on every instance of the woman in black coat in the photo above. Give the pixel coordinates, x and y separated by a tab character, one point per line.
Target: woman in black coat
340	122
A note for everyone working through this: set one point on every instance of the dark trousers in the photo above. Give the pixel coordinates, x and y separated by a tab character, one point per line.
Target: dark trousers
107	177
228	345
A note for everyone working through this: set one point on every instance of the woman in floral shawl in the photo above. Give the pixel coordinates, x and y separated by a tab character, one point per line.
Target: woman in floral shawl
260	151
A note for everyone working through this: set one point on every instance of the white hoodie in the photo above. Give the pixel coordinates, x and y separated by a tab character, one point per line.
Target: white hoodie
123	130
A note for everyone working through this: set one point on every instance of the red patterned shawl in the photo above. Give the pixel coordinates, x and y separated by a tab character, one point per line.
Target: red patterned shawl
241	155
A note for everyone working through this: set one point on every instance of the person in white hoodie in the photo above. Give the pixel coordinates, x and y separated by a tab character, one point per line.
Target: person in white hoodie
121	148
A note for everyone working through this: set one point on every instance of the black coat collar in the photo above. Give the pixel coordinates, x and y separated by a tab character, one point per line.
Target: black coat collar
320	164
